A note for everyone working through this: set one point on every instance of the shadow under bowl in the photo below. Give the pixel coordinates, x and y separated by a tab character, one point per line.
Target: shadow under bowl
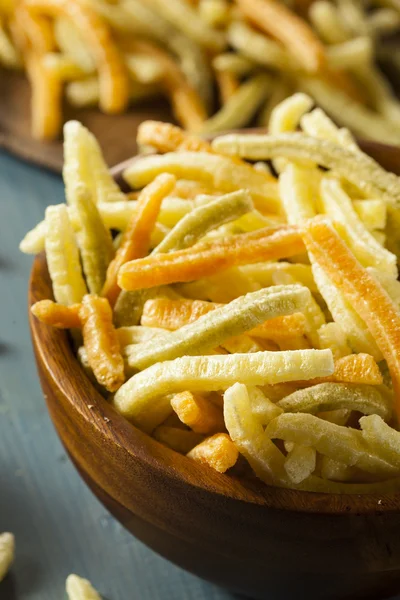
256	540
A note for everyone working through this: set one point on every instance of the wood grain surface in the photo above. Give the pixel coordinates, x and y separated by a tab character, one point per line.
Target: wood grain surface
60	527
116	133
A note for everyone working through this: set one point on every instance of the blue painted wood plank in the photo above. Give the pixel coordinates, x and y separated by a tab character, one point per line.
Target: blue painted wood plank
59	526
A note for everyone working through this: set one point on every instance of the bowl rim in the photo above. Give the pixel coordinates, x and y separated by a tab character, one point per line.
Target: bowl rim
55	352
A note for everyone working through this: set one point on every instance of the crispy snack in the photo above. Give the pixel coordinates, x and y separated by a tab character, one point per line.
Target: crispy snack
198	413
371	212
180	440
129	306
277	20
114	87
286	116
317	124
264	273
333	396
365	294
135	334
57	315
80	589
355	368
94	240
101	342
332	336
328	22
217	171
239	108
7	550
337	205
207	259
198	222
137	236
383	440
247	432
233	319
186	102
165	137
221	288
257	48
261	406
62	257
359	169
218	452
335	441
300	463
297	190
72	44
142	396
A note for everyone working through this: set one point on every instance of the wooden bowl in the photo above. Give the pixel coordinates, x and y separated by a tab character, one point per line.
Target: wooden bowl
257	540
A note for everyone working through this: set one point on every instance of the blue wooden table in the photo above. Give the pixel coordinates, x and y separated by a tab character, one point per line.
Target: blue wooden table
59	526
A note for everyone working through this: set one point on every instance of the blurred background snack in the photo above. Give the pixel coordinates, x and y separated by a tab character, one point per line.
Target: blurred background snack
220	64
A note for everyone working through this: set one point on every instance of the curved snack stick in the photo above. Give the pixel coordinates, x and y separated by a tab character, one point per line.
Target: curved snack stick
335	441
165	137
146	391
57	315
187	104
137	236
218	452
361	170
114	82
94	240
62	257
365	294
220	172
334	396
277	20
208	259
230	320
101	342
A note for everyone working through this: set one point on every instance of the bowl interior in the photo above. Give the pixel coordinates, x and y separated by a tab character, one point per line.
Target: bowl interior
55	352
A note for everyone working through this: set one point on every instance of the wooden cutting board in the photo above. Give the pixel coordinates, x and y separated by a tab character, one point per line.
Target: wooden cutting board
116	134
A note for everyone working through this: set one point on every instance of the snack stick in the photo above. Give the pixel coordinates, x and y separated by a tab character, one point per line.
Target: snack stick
227	84
264	273
86	92
57	315
165	137
233	319
359	169
300	463
9	55
114	83
358	335
180	440
94	240
335	441
186	103
389	284
337	205
355	368
84	164
198	413
129	306
45	98
333	396
187	20
350	55
286	116
204	259
144	69
241	106
371	212
281	23
298	194
71	42
221	288
261	406
197	223
335	470
257	48
383	439
348	109
365	294
137	397
247	433
7	551
317	124
328	22
214	170
135	334
218	452
80	589
62	257
233	63
332	336
137	236
101	342
62	66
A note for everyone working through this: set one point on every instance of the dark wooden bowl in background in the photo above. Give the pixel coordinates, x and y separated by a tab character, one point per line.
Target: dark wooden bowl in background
257	540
